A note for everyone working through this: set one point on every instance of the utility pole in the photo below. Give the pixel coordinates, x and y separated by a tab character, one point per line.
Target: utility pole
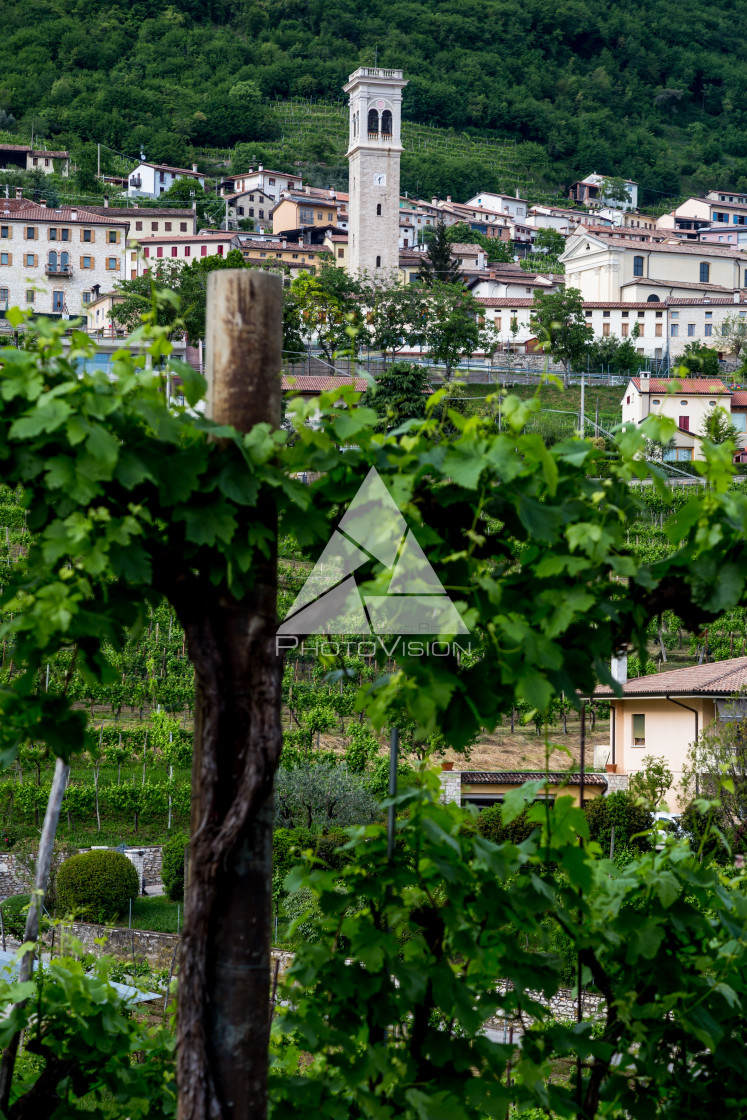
582	425
224	978
98	161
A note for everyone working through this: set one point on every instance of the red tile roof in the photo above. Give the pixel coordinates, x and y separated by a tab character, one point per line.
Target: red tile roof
321	384
167	167
141	211
518	777
36	213
719	678
153	238
739	399
703	385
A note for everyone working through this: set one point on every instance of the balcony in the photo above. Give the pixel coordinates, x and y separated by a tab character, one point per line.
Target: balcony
136	182
59	270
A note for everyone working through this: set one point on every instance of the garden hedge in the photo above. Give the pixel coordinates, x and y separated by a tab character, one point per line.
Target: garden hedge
96	886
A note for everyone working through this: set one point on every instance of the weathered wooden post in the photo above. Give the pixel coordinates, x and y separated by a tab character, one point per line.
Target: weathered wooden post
224	978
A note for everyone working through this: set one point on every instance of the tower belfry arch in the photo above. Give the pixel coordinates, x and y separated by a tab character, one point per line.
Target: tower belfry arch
374	151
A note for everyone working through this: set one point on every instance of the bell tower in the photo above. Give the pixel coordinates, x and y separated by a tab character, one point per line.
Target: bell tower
374	149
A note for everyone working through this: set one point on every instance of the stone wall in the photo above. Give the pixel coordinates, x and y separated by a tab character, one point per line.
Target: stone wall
14	879
156	948
451	785
616	782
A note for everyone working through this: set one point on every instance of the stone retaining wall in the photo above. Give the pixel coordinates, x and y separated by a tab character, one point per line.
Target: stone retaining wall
14	878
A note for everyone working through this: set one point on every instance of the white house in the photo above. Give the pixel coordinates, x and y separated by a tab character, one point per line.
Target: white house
270	183
509	204
589	191
183	247
154	179
687	401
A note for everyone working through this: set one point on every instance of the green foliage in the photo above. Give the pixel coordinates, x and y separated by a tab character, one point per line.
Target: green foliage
400	394
491	825
400	1029
620	810
172	866
700	360
321	794
652	782
558	318
15	909
439	265
96	886
718	428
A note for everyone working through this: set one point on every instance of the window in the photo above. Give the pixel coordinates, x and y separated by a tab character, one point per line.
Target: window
52	234
166	226
675	315
340	254
739	420
624	330
86	297
161	177
306	216
658	314
684	422
627	400
86	262
183	226
638	266
271	182
712	404
251	212
319	214
705	272
31	233
58	301
605	328
4	232
154	227
378	262
146	251
203	250
639	731
262	214
674	329
690	330
220	250
386	122
709	314
605	314
678	454
378	209
4	295
29	260
87	234
641	330
65	235
655	402
187	251
497	322
138	225
174	250
708	330
373	122
159	251
5	258
112	236
658	329
112	264
625	314
240	210
29	295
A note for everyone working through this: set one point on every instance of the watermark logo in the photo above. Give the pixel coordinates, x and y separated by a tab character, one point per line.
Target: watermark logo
331	602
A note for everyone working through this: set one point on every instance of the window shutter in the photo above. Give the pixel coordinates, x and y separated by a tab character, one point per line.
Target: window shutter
36	261
81	262
684	422
10	258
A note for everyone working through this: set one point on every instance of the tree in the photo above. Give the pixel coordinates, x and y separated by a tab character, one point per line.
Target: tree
700	358
439	266
329	306
395	319
550	241
718	428
400	394
734	333
558	318
451	331
614	189
652	782
462	234
187	191
716	768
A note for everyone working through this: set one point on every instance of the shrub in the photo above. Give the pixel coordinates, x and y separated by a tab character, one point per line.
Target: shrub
321	795
172	866
620	810
96	886
14	915
490	825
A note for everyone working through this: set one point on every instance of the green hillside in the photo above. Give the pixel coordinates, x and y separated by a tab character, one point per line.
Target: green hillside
618	86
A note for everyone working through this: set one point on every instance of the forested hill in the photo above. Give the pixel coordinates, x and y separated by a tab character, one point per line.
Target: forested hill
656	91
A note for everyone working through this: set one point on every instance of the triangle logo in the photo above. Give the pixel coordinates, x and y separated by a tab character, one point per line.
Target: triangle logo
330	601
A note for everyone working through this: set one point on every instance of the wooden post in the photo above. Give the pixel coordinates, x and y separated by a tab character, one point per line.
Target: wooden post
224	978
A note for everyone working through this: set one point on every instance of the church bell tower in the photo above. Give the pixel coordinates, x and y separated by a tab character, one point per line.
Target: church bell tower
374	150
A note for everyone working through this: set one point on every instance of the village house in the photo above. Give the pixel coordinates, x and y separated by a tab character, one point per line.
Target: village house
266	182
295	255
184	247
483	788
687	401
662	714
52	260
304	209
253	204
22	156
509	279
717	208
154	179
625	219
589	192
615	268
502	204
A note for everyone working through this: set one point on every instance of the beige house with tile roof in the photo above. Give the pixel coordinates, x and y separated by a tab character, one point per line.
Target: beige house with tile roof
687	401
664	713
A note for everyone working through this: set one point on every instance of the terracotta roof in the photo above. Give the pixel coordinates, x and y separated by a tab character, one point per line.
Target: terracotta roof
719	678
15	204
46	214
704	385
141	211
518	777
153	238
694	248
710	301
288	197
32	151
321	384
647	282
739	399
639	305
167	167
505	301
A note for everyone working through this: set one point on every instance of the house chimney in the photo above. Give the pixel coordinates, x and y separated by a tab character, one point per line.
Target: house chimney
260	167
517	193
19	192
42	202
194	166
619	666
106	200
434	202
448	198
737	296
645	382
73	215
